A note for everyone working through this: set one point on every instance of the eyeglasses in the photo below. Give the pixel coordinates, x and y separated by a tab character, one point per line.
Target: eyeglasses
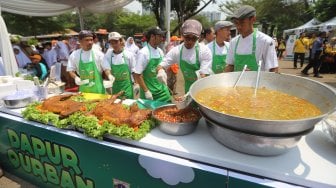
190	38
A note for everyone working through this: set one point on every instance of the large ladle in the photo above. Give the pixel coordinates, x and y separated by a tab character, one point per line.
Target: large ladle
240	76
258	78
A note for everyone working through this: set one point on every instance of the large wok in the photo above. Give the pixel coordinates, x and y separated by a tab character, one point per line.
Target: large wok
319	94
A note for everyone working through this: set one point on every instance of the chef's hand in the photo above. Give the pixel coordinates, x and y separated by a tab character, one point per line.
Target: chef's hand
148	95
136	89
162	76
111	78
79	82
107	84
198	74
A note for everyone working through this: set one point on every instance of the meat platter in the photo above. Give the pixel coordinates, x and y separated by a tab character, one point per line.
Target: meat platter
95	118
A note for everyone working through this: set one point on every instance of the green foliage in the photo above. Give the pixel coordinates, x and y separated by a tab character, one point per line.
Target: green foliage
27	25
32	41
133	23
184	10
324	9
274	13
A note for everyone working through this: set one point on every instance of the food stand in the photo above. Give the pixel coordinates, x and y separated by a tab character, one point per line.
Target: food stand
52	157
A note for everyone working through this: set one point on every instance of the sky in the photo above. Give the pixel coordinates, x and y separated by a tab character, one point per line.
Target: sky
135	6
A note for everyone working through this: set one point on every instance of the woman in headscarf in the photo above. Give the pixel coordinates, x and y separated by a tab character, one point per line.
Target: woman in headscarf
21	58
40	68
131	46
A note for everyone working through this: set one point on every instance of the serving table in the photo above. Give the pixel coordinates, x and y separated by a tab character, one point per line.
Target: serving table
50	157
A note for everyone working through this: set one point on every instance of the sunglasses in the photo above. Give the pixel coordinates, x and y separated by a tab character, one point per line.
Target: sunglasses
190	38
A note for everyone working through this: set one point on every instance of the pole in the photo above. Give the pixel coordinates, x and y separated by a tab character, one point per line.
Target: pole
81	21
168	8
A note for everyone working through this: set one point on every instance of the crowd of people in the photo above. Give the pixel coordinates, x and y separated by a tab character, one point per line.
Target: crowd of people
149	71
317	48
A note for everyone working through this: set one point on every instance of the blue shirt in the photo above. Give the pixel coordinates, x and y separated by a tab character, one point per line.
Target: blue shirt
317	45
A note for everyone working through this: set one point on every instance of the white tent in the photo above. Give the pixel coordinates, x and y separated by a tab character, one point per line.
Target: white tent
328	25
313	23
46	8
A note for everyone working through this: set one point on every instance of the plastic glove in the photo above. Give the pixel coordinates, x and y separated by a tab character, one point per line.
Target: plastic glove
111	78
136	89
148	95
107	84
162	76
79	82
198	74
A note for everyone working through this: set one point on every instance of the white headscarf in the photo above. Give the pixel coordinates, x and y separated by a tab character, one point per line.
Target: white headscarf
131	47
62	50
21	58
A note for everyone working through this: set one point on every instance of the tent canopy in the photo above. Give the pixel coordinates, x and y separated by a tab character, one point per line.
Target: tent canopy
45	8
57	7
328	25
310	24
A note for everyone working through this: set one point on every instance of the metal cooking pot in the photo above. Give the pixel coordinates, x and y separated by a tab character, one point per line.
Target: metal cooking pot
56	88
253	144
17	102
319	94
175	129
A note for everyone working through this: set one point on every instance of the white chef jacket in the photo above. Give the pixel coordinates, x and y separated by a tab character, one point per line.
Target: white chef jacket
118	59
220	50
265	50
143	57
73	61
189	55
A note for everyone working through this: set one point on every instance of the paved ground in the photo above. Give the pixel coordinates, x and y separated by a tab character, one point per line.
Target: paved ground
11	181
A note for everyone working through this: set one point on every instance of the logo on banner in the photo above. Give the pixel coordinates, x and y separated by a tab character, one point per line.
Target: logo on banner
51	162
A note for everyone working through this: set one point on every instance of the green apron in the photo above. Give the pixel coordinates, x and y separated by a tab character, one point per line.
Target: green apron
218	61
89	71
159	90
123	81
248	59
188	70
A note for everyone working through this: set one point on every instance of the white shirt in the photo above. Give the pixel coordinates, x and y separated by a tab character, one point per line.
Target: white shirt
118	59
265	50
97	46
220	50
143	57
189	55
73	62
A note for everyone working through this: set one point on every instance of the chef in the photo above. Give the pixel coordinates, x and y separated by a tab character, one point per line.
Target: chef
194	59
220	45
119	63
250	46
85	65
148	59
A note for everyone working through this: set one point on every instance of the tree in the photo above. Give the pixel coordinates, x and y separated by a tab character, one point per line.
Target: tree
274	13
184	10
131	23
324	9
27	25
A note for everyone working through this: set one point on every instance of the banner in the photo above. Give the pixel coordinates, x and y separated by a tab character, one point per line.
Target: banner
48	157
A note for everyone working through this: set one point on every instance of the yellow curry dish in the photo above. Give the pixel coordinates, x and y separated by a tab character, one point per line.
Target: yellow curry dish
265	105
